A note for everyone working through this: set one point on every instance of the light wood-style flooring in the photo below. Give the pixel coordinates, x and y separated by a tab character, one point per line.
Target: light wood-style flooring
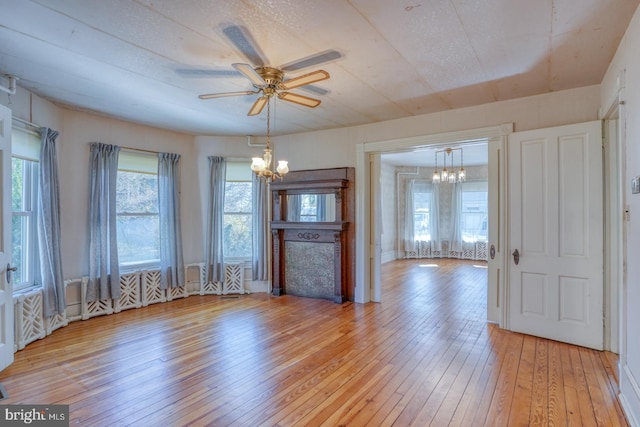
424	356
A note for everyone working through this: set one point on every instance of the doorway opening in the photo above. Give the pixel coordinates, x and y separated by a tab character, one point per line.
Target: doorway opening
424	222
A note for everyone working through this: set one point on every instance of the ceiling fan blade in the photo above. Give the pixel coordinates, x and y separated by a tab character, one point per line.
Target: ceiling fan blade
258	106
305	79
310	61
299	99
250	73
223	94
316	90
242	39
203	72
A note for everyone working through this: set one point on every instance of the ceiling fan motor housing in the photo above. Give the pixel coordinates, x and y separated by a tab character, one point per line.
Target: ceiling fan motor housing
272	76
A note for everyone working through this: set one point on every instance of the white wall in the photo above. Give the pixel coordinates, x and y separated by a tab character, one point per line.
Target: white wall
77	129
627	61
388	188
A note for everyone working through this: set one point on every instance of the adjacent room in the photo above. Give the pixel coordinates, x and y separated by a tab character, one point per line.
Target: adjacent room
320	213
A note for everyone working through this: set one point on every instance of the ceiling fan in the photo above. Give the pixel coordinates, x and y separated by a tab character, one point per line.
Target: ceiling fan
270	81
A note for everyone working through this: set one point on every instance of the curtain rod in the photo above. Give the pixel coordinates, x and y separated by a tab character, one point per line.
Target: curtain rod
25	122
139	149
29	127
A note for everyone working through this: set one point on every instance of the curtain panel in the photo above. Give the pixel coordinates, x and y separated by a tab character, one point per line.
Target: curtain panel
48	224
214	239
171	255
104	272
260	261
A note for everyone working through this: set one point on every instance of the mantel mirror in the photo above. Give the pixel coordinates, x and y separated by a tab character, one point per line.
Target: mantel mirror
309	207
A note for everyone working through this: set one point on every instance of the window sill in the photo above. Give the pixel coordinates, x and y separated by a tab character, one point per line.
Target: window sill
133	267
26	290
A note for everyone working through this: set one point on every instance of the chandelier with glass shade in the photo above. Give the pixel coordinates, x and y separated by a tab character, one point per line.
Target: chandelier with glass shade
447	175
261	166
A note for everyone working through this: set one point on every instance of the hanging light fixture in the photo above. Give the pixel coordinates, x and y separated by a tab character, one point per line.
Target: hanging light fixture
445	175
261	166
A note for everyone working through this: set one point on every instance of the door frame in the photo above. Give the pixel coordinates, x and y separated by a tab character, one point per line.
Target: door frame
368	286
613	134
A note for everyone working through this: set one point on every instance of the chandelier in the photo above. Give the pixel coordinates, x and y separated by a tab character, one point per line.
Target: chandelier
449	175
262	165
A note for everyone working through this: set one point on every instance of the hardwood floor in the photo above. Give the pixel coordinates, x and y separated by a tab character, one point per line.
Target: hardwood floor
425	356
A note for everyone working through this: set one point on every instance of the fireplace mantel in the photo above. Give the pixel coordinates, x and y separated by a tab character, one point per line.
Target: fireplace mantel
314	234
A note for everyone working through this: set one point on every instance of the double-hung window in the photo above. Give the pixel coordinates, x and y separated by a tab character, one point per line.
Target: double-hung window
24	189
474	211
137	210
238	212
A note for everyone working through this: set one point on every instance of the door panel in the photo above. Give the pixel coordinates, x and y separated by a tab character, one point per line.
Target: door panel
6	292
555	207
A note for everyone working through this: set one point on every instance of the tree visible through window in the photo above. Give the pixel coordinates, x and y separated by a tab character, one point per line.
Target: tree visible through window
238	211
238	219
137	210
24	256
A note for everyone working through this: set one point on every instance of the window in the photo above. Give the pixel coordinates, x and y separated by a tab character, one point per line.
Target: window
238	211
421	211
137	210
24	174
309	208
474	211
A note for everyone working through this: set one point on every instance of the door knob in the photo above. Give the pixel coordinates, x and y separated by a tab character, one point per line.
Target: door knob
9	271
516	256
492	252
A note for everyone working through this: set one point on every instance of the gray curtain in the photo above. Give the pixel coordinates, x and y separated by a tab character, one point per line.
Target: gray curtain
48	220
434	218
456	216
214	254
260	264
409	219
171	259
104	273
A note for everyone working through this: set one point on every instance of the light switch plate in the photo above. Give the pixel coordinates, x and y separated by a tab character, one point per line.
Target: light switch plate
635	185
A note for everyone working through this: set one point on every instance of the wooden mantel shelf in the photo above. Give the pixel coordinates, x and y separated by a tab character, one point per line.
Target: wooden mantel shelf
287	225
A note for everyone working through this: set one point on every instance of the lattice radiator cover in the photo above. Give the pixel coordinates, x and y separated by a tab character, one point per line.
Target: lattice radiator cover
138	289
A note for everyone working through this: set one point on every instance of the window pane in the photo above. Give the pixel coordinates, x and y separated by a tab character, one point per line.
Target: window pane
17	190
19	229
237	197
137	222
238	219
24	255
473	221
137	192
237	235
138	238
421	204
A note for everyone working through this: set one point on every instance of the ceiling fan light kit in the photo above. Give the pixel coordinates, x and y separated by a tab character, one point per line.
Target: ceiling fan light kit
261	166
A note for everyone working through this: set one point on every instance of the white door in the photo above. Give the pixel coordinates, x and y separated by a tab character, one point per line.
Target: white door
6	297
556	228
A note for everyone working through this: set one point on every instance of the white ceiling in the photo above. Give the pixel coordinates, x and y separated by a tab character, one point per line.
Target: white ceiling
148	60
